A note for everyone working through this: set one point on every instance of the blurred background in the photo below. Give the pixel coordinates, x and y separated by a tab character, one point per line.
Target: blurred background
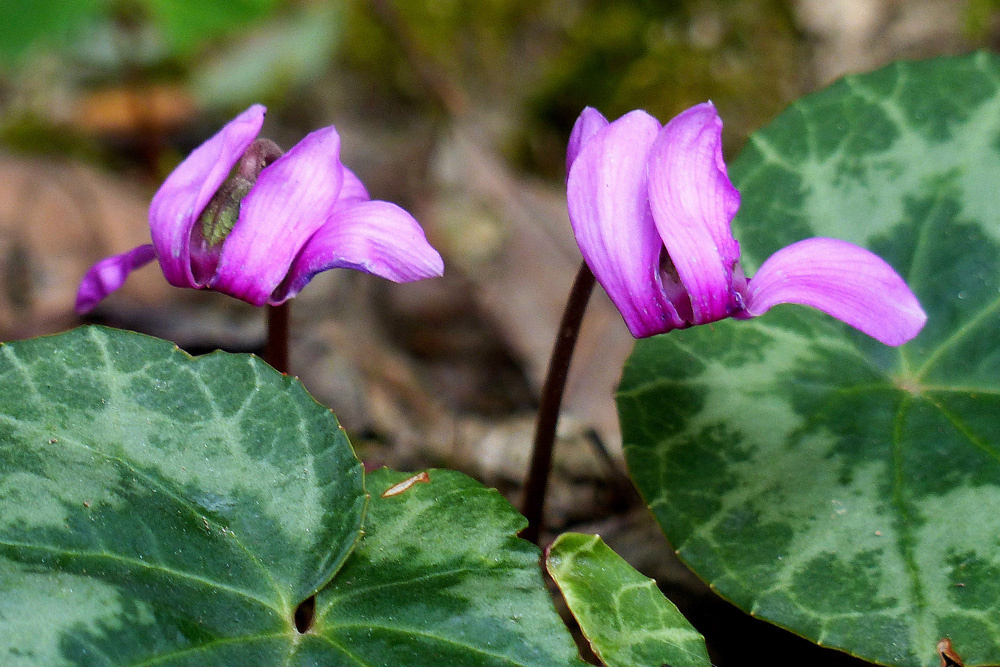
458	110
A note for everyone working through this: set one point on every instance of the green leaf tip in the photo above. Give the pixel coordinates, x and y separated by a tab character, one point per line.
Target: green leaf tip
622	613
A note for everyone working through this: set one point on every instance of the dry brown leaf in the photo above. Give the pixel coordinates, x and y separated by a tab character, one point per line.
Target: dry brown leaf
133	110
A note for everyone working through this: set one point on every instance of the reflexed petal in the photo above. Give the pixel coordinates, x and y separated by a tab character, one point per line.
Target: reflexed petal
609	210
375	237
109	274
292	198
586	126
693	203
187	190
843	280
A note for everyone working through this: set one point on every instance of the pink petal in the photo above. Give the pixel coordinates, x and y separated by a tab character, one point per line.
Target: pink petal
693	203
183	196
586	126
291	199
843	280
109	274
609	211
375	237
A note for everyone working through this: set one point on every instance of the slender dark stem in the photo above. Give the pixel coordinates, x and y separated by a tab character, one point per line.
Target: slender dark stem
536	484
276	346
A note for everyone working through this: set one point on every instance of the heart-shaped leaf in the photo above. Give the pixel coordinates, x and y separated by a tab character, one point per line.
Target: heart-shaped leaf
842	489
624	616
158	509
153	504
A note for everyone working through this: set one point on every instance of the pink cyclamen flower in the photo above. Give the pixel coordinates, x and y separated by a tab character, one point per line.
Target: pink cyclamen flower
651	208
261	233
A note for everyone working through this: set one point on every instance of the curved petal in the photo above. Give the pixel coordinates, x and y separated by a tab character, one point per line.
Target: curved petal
586	126
352	192
375	237
183	196
292	198
109	274
693	203
843	280
609	211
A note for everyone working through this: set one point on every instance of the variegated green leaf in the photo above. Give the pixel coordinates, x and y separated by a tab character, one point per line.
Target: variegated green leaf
158	509
162	509
624	616
843	489
440	578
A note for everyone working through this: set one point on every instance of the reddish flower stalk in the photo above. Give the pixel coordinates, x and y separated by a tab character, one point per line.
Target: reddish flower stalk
536	484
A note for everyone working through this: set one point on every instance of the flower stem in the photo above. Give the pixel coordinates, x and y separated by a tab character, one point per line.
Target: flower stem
276	346
536	484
